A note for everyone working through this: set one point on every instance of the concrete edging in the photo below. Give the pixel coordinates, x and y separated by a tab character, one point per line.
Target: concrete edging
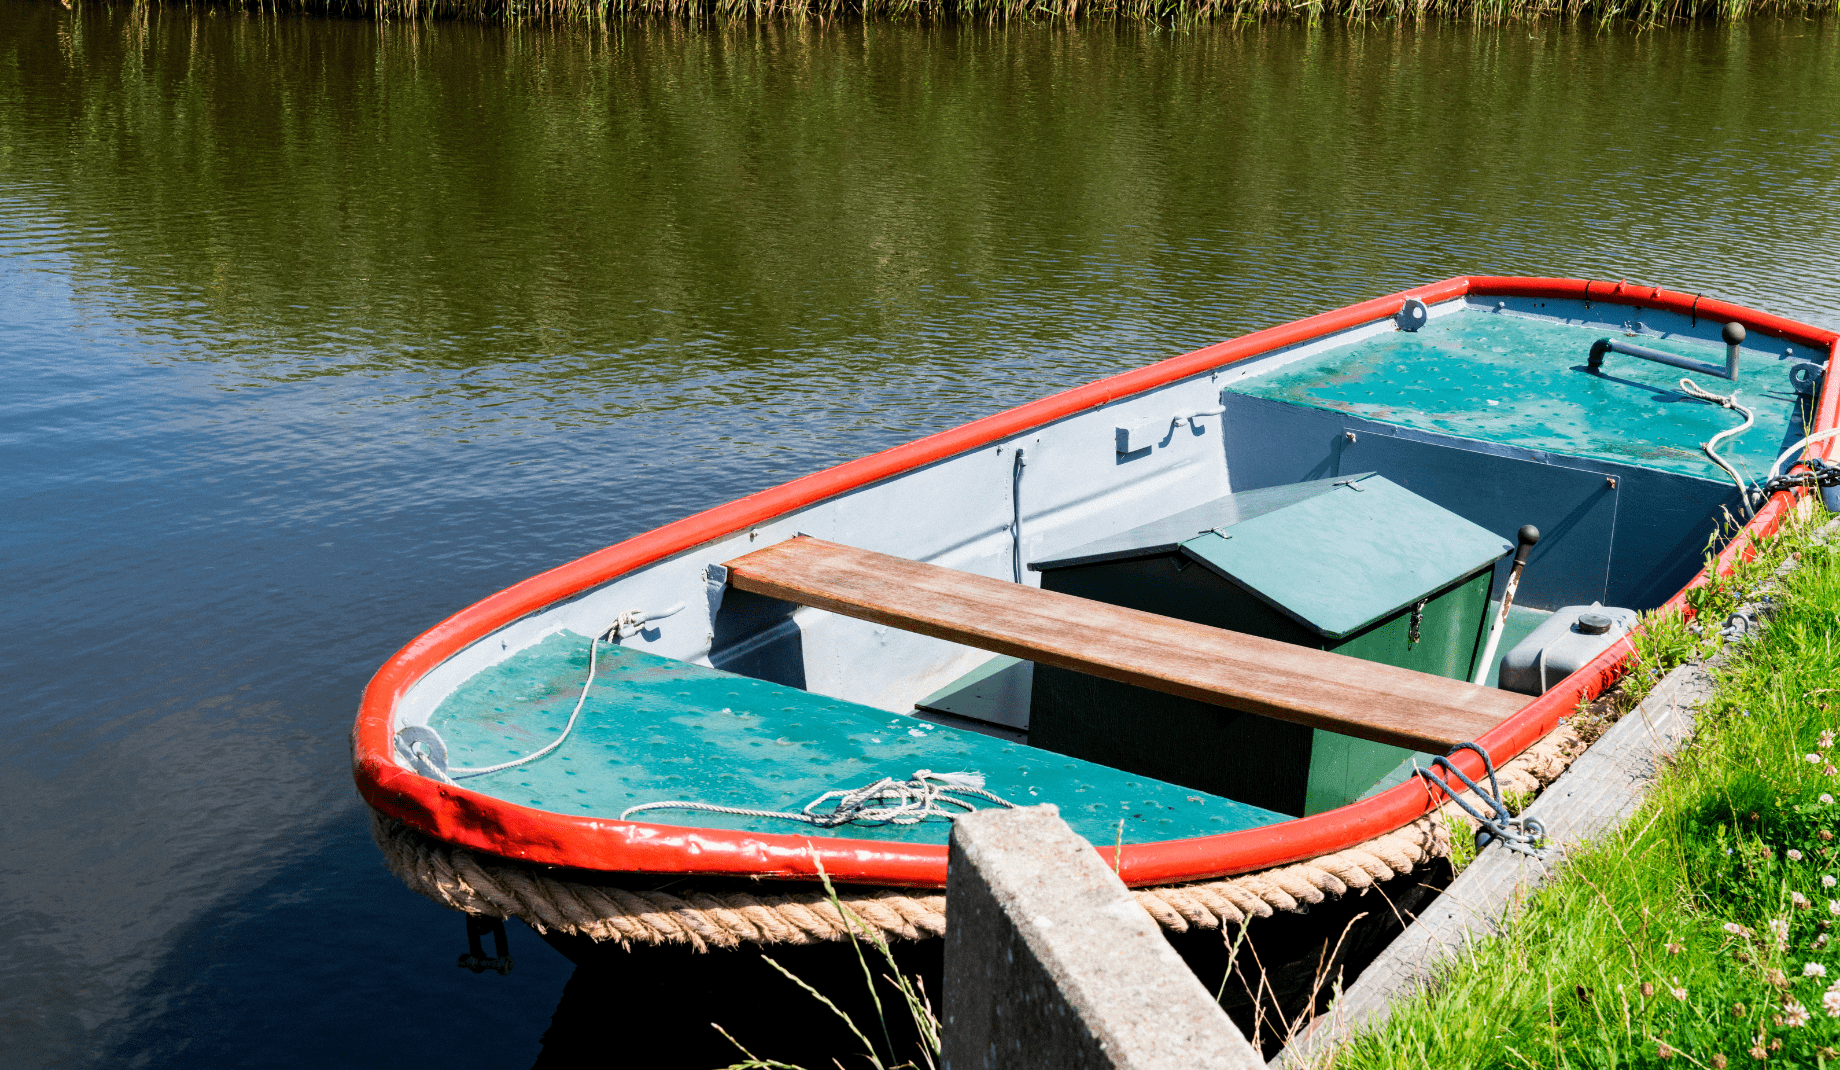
1050	962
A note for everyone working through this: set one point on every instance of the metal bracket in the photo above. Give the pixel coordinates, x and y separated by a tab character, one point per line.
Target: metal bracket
1412	315
1522	835
715	588
1805	376
425	751
634	621
475	958
1143	434
1015	503
1189	417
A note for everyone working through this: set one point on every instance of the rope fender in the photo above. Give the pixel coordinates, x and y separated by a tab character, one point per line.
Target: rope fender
500	888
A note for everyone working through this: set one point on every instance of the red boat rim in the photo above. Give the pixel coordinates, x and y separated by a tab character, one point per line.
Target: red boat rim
480	822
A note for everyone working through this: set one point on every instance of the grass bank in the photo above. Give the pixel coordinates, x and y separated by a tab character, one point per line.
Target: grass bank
1637	12
1702	932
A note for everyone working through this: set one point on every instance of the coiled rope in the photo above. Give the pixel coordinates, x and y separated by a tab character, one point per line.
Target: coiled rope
887	801
586	905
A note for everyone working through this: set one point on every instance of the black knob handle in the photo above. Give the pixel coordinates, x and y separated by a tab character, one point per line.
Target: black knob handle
1733	333
1528	536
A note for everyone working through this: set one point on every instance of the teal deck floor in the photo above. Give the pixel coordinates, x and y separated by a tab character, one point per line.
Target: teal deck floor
657	729
1518	381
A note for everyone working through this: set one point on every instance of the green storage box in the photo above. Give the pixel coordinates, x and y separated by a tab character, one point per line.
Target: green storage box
1357	565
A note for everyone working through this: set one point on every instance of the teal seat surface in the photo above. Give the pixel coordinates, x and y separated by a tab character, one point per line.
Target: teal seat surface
656	729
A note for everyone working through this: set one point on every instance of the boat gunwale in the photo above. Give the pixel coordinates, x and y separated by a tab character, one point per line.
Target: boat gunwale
477	821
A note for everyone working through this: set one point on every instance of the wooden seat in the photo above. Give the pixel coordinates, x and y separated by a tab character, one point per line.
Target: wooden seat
1291	683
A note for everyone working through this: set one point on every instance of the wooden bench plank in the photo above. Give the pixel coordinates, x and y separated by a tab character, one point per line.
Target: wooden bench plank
1291	683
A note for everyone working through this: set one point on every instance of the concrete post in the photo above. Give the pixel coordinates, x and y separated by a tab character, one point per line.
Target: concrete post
1049	961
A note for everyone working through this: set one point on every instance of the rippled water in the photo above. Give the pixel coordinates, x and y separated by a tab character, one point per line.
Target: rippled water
315	331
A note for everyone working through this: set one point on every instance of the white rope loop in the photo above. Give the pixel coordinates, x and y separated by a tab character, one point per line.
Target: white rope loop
481	770
886	802
417	752
1727	401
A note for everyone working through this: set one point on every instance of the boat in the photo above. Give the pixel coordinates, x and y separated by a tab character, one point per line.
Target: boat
1220	610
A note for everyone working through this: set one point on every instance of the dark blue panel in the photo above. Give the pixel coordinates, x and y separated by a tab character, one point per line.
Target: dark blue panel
1662	526
1632	545
1575	509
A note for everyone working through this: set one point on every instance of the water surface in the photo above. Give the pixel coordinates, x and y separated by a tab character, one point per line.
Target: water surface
314	332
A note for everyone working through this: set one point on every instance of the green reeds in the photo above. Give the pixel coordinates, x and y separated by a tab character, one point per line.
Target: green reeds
1642	12
1703	932
913	996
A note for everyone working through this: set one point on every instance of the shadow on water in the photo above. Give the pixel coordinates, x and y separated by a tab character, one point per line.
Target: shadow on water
331	962
1287	964
677	993
278	969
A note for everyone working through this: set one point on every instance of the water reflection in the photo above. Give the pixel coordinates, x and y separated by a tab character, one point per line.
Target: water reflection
594	215
316	331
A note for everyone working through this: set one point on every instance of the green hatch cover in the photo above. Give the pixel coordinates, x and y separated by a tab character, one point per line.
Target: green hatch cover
1338	562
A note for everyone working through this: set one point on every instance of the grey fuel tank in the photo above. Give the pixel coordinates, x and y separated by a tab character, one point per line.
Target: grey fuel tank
1563	643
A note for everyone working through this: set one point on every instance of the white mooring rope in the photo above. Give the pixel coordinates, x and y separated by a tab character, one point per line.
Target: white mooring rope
415	744
889	801
1730	401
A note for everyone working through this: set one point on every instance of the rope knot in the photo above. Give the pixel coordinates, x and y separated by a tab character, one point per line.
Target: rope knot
886	802
1693	389
1747	493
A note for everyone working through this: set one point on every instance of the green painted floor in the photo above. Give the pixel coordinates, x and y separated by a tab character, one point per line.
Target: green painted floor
1519	381
656	729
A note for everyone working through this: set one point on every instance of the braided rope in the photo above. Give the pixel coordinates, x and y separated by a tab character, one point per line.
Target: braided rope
500	888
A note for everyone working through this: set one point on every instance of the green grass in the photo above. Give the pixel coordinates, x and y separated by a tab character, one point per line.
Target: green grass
1702	932
1642	12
